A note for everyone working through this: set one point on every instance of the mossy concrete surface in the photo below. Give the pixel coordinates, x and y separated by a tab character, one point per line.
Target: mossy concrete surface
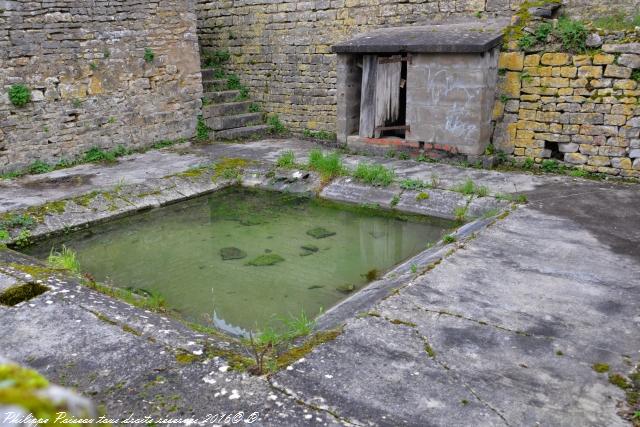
500	326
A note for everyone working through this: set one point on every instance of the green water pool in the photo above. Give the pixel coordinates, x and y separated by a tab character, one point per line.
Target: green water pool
207	255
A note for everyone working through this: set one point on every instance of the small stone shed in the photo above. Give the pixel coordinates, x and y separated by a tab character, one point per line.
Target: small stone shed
419	87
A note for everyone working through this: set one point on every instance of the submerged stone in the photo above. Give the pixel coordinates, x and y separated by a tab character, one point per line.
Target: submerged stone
377	234
320	232
371	275
308	250
347	288
139	291
315	287
249	221
232	253
264	260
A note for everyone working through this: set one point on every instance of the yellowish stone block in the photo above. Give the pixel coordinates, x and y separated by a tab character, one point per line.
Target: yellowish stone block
603	59
513	61
532	60
555	59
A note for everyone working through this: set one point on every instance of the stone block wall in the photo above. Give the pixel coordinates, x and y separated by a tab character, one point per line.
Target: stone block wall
281	48
91	85
580	109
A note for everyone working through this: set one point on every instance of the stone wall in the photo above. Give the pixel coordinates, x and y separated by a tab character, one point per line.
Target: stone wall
91	86
281	48
580	109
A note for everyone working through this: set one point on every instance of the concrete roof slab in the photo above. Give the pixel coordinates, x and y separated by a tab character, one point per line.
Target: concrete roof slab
470	37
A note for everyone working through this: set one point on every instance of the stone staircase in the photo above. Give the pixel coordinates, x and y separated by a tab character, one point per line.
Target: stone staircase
226	112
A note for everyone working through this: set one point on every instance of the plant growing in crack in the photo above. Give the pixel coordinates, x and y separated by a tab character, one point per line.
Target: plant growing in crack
269	345
286	159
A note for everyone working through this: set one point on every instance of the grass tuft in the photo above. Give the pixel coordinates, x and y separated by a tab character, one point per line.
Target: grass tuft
470	188
65	259
374	174
286	160
327	165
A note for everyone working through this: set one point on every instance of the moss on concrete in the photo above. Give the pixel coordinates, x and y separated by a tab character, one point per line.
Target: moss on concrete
600	367
21	387
296	353
17	294
85	199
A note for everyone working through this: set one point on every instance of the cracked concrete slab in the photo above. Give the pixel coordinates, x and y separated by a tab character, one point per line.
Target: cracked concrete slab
378	373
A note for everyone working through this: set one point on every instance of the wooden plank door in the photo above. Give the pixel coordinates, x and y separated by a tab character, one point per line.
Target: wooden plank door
387	94
368	96
380	95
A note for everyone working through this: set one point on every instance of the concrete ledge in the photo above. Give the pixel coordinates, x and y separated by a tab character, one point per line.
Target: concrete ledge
473	37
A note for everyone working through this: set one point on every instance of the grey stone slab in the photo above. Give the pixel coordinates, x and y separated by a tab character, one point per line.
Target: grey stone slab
438	203
7	282
38	189
573	295
378	373
521	377
471	37
348	190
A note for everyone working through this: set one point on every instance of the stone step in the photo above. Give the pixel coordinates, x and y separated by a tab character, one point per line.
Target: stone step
235	121
221	96
243	132
225	109
208	73
214	85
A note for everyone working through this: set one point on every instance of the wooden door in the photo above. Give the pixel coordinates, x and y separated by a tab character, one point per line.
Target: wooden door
380	96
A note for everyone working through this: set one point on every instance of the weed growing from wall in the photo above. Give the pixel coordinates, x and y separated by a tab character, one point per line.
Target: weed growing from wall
573	34
148	55
275	125
19	95
216	58
320	134
202	130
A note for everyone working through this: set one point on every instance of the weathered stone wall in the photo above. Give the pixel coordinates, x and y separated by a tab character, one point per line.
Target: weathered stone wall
580	109
599	8
281	48
91	86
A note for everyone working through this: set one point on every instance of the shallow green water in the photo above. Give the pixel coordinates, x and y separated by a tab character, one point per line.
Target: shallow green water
176	251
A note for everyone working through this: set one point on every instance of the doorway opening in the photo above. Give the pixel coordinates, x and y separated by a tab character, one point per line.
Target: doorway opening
383	103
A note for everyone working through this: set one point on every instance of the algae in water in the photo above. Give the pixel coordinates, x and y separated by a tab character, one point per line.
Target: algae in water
320	232
265	260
